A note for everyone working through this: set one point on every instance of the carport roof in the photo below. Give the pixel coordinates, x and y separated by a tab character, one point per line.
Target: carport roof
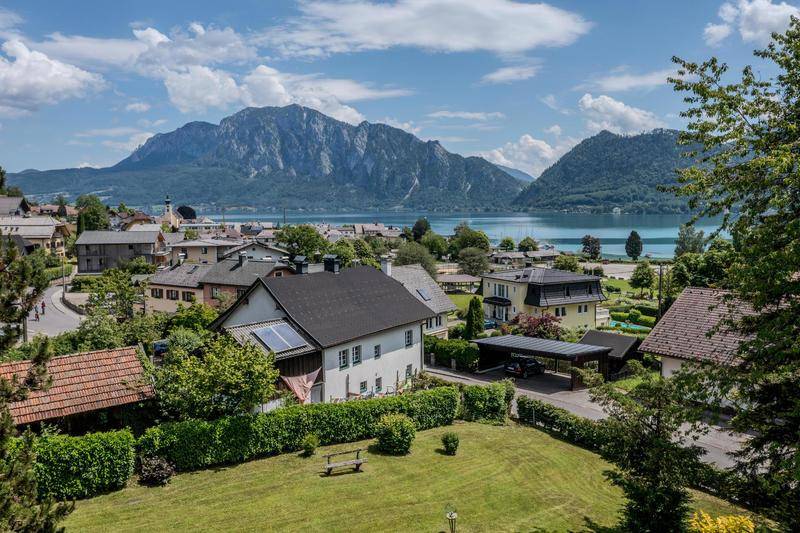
541	347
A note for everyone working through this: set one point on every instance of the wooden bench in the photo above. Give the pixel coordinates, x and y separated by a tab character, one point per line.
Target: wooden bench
355	463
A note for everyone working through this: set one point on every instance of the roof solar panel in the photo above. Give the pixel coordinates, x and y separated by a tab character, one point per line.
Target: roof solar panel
271	339
424	293
292	338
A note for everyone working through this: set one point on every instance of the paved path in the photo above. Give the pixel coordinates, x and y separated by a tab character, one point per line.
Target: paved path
550	388
56	319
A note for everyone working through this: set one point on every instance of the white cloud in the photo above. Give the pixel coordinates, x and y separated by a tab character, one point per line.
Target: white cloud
510	74
86	164
129	145
529	154
550	101
622	80
455	139
606	113
30	80
555	130
499	26
145	123
138	107
199	88
119	131
467	115
407	125
8	19
119	138
756	20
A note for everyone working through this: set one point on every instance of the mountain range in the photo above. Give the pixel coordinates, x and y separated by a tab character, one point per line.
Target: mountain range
298	158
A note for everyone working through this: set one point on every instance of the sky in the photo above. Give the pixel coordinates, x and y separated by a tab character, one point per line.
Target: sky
83	83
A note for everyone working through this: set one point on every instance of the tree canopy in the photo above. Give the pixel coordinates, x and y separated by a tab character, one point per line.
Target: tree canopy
466	237
413	253
303	239
643	276
690	240
633	246
591	247
435	243
507	244
420	228
473	261
567	262
22	283
528	244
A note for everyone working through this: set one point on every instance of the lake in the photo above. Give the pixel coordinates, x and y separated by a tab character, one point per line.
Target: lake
564	230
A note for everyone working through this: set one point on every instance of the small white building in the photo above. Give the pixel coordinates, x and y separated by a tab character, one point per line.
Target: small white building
256	251
336	334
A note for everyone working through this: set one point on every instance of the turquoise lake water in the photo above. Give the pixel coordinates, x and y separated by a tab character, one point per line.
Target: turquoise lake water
564	230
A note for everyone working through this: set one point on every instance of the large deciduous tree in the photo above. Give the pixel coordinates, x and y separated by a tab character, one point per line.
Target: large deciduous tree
421	227
435	243
746	131
92	215
302	240
22	283
643	277
690	240
528	244
413	253
567	262
466	237
473	261
507	244
591	247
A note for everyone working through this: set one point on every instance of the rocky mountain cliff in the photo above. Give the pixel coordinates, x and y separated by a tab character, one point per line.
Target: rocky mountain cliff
292	157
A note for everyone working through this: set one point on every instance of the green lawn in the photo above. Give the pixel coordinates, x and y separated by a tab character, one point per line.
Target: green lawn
462	300
631	381
504	478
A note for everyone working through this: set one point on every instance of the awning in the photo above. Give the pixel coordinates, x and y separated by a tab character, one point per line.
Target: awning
497	300
301	385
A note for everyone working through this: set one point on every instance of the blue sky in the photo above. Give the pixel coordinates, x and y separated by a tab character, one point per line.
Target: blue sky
83	83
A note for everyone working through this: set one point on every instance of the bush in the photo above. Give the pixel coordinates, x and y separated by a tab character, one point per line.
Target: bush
634	315
450	443
84	283
194	444
55	272
395	433
79	467
619	317
573	428
646	310
309	444
701	522
486	403
465	353
155	471
457	331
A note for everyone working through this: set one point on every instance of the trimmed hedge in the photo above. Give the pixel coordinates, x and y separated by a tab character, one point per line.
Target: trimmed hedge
194	444
55	272
574	428
465	353
68	467
634	318
485	402
646	310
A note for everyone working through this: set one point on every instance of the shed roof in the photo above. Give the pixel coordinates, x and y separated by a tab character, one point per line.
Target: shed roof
621	345
541	347
81	383
423	287
694	328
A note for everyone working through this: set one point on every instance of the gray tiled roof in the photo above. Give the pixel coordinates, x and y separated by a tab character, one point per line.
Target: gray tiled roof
185	275
621	345
229	272
543	347
337	308
244	246
12	204
414	277
694	328
540	276
118	237
244	333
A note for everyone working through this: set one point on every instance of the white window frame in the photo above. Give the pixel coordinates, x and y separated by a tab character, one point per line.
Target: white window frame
344	355
356	353
409	338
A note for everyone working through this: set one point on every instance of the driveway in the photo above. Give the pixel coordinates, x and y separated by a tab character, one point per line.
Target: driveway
554	389
56	319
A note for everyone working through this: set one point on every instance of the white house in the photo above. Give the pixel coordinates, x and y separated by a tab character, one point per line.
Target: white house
256	251
336	334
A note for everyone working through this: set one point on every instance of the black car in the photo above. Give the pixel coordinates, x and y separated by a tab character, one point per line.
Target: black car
524	366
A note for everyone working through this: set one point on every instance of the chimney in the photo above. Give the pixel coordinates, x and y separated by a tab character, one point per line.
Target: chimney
331	263
386	265
242	258
181	258
300	264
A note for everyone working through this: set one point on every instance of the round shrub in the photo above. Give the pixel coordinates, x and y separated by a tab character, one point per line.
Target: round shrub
309	444
155	471
450	443
395	433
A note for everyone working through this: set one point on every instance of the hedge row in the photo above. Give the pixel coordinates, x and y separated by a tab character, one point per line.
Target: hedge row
635	318
78	467
465	353
490	403
195	444
55	272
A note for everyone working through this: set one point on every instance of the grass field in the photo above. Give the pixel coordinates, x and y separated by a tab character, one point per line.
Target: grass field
504	478
462	300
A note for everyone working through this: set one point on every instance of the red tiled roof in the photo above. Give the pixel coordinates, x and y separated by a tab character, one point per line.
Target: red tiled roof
683	330
81	383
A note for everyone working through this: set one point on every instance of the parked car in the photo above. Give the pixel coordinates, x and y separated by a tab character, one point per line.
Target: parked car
160	347
489	324
524	366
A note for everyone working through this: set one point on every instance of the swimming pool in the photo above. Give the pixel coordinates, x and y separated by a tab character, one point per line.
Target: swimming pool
615	324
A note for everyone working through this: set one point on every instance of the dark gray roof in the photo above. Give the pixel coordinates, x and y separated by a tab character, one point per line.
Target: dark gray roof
540	276
185	275
229	272
173	238
419	283
541	347
11	204
246	245
621	345
23	245
337	308
118	237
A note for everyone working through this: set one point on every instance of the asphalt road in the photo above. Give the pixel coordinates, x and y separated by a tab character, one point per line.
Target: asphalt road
56	319
718	441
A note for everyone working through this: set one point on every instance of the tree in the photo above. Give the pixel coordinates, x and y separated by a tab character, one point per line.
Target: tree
546	326
421	227
591	247
707	269
568	263
413	253
528	244
343	249
473	261
22	283
98	331
748	174
114	291
466	237
474	323
690	240
191	234
507	244
643	277
364	253
21	509
302	240
633	246
655	461
93	214
137	266
196	317
223	379
435	243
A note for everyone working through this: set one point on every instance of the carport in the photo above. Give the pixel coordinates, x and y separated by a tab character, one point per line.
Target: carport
496	350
